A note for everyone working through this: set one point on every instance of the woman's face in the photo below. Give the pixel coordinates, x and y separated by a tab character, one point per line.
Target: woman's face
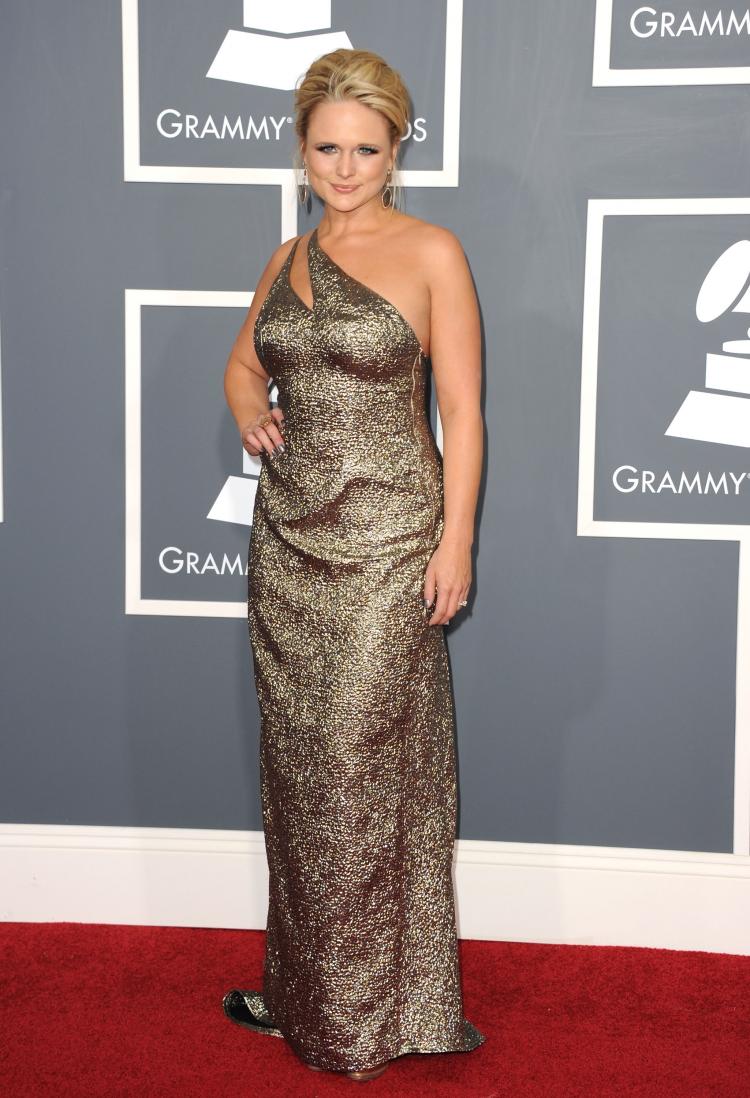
348	153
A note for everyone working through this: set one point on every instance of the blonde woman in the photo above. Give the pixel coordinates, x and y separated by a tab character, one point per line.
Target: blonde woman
360	554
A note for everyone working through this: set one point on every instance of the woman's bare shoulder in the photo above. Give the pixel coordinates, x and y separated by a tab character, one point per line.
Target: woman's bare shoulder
434	243
436	250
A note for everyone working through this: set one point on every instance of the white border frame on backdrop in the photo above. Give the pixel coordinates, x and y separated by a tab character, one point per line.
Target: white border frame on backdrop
135	171
135	301
604	76
588	526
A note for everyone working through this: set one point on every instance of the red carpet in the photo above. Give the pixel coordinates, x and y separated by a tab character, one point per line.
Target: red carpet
108	1011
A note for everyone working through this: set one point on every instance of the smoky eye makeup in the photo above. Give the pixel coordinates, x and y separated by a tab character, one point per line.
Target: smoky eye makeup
370	149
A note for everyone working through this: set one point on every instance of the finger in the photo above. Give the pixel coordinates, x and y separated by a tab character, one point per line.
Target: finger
452	610
440	615
274	429
428	591
262	439
251	443
275	436
267	437
451	605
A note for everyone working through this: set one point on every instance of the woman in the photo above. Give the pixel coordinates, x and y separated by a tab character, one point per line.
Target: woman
360	553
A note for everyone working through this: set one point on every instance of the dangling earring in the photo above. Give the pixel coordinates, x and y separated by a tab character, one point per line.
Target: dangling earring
303	191
387	189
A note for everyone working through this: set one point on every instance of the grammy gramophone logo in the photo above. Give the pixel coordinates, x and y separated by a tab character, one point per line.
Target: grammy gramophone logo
277	57
236	499
723	415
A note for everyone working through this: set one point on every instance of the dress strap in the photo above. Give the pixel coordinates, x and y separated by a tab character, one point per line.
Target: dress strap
292	250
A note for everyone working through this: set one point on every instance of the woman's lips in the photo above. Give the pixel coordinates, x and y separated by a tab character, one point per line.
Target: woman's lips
343	190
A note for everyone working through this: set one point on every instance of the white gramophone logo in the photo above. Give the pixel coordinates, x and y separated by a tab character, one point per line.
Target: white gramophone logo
269	60
718	417
236	500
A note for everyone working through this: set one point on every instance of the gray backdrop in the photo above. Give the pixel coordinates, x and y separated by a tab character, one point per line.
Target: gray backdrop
594	677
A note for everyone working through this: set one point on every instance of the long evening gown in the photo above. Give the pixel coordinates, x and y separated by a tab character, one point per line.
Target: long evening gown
358	779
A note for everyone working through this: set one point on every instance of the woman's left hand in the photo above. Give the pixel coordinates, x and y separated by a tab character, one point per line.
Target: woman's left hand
449	576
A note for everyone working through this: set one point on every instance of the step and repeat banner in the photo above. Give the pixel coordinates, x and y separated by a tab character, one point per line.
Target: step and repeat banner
593	160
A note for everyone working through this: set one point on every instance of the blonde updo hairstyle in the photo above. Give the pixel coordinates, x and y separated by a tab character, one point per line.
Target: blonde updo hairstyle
360	75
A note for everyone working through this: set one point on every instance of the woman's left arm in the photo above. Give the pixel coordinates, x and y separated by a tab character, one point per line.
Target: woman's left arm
456	358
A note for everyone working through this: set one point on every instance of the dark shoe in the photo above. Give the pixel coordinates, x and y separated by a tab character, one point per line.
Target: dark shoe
359	1076
367	1073
247	1008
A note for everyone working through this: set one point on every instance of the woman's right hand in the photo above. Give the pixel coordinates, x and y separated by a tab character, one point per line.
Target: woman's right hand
256	439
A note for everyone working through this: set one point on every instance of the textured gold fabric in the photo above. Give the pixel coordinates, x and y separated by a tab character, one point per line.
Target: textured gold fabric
358	779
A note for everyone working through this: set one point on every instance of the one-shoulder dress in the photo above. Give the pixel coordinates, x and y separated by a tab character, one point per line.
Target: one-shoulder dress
357	764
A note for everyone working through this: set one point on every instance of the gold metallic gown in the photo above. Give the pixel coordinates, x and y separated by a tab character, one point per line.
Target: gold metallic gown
358	779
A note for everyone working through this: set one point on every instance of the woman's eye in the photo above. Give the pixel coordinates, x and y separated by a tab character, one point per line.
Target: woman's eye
363	148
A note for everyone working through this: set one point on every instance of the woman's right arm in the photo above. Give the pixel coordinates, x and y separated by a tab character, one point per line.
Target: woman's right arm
245	380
